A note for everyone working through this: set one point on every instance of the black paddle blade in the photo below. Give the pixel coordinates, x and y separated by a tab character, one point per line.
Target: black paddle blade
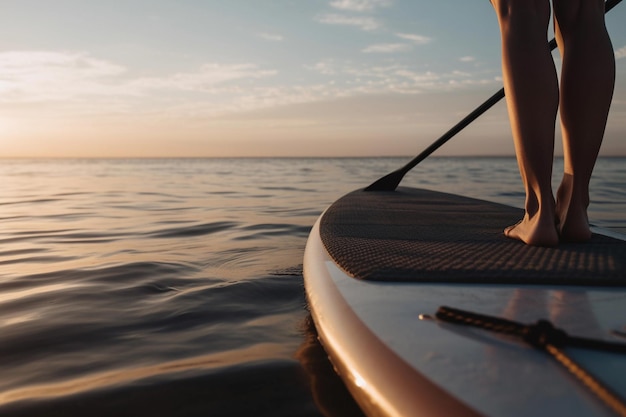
391	181
387	183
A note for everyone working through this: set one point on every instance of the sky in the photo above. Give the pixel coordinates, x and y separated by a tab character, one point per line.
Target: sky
216	78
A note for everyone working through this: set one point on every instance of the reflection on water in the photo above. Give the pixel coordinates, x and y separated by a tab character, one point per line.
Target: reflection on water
329	391
105	380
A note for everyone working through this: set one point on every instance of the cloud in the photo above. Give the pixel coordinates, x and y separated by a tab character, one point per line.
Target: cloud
204	79
362	22
18	62
398	47
76	84
417	39
387	48
325	67
620	53
467	59
44	76
270	37
49	75
354	79
359	5
422	79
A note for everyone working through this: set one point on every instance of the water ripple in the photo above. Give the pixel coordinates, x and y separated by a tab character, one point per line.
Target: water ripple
195	230
174	287
274	229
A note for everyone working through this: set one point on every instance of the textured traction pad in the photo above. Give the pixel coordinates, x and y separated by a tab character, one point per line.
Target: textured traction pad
417	235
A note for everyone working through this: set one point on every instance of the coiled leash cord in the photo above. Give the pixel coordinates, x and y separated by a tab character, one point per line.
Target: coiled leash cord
544	336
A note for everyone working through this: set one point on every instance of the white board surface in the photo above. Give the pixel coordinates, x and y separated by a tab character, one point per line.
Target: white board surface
398	365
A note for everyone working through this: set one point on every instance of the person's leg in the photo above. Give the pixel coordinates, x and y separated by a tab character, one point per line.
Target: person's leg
531	87
587	80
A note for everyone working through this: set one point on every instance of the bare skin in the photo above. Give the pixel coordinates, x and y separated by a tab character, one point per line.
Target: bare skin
533	96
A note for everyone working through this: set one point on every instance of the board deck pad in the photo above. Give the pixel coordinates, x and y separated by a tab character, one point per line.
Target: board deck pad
418	235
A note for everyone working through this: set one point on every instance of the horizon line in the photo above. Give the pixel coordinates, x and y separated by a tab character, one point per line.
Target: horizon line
272	157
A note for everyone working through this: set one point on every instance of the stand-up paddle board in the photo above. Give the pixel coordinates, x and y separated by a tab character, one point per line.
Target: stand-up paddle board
378	267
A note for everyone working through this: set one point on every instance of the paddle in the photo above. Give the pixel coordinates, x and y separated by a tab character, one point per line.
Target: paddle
391	181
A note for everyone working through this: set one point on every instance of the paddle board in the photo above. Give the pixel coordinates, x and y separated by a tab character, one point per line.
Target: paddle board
397	363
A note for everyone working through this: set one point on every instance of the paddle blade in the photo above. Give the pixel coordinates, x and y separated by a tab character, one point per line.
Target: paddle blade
387	183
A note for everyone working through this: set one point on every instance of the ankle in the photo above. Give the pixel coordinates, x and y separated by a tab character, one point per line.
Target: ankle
540	206
573	192
571	210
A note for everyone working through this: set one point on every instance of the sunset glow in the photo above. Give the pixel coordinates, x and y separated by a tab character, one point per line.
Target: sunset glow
246	78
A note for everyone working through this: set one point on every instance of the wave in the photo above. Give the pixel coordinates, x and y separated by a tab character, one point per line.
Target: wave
209	385
273	229
195	230
159	291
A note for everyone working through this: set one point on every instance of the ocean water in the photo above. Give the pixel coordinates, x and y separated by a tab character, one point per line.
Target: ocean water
173	287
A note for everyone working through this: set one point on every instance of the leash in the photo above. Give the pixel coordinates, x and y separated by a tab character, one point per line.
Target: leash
544	336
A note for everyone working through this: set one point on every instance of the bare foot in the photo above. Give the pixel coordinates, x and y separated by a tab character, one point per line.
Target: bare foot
571	210
534	231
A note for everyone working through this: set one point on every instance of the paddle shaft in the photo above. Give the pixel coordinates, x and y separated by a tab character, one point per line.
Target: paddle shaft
391	181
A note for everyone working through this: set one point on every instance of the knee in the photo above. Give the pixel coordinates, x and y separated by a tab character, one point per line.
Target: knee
578	15
522	15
